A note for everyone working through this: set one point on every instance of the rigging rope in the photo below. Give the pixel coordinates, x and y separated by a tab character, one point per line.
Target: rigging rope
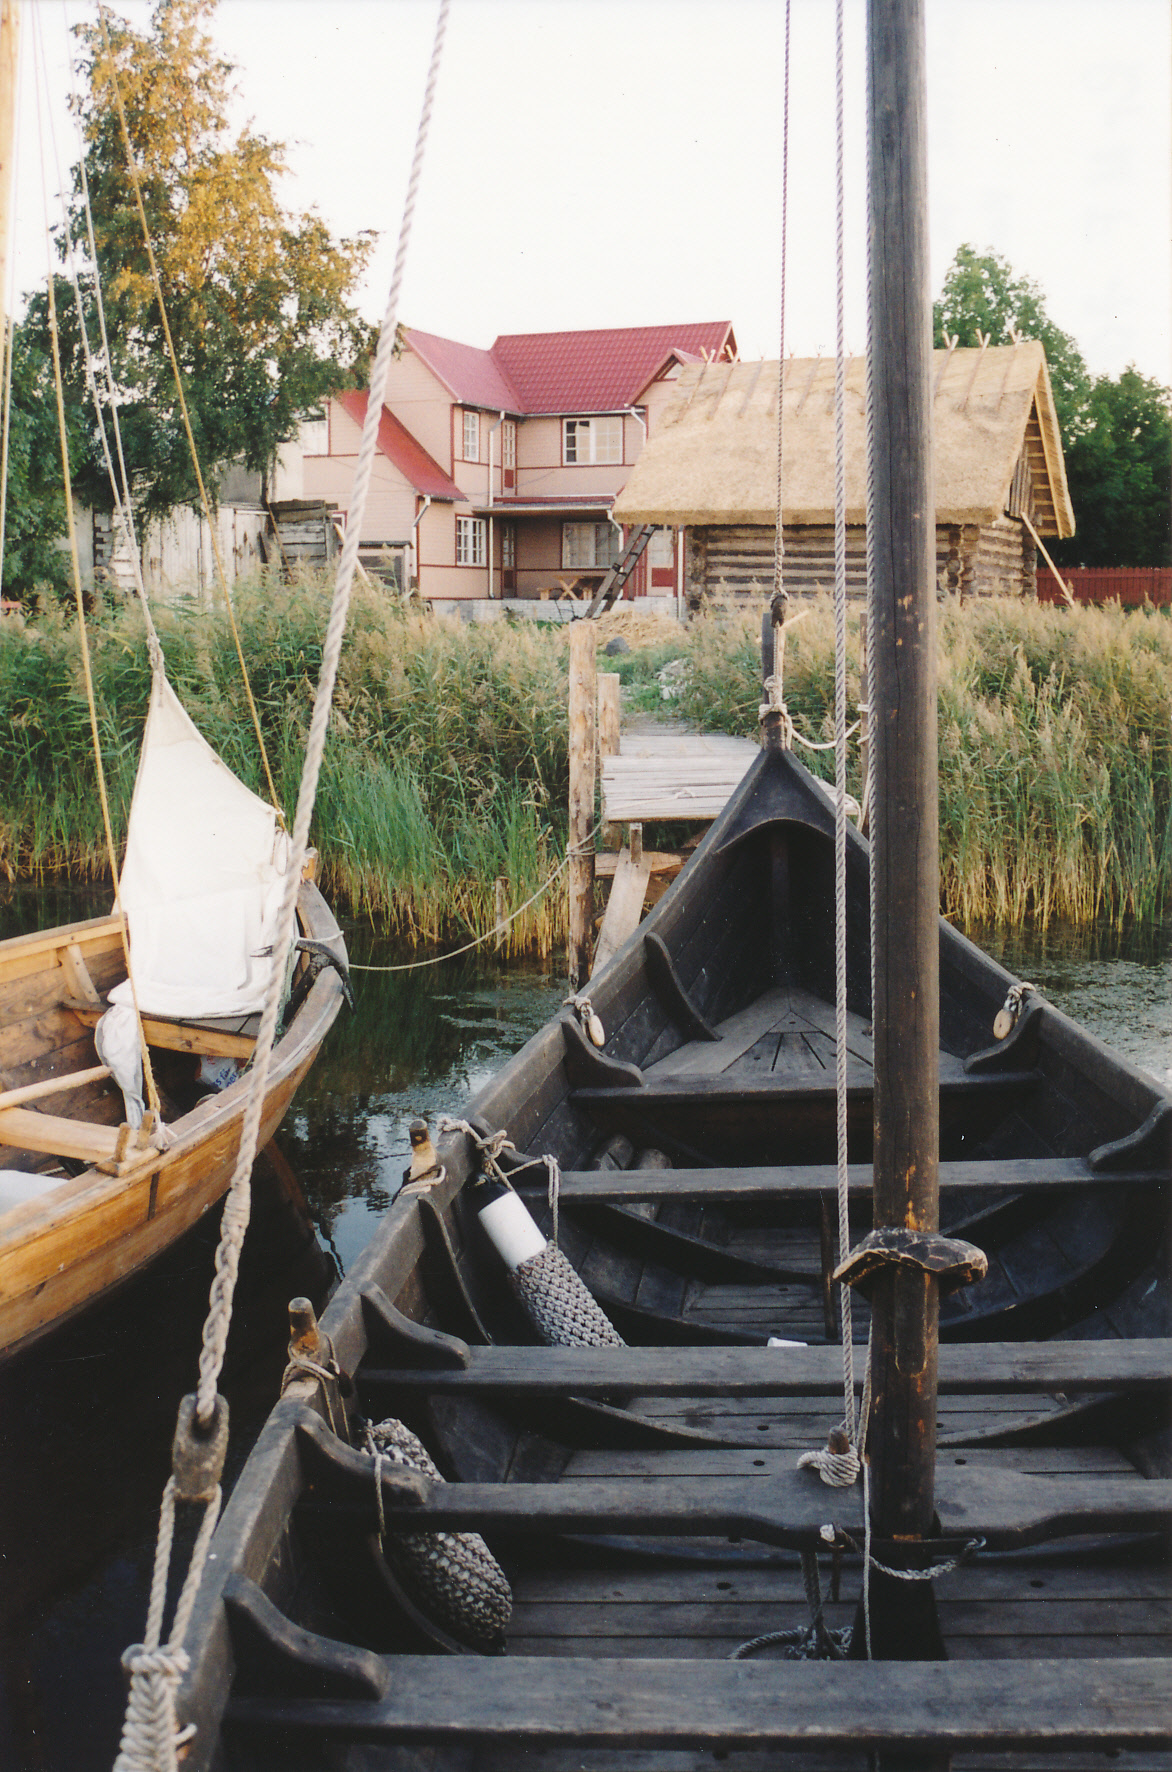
778	534
87	669
208	1405
132	169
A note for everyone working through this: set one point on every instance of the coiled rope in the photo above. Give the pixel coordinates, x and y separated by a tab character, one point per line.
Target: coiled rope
153	1749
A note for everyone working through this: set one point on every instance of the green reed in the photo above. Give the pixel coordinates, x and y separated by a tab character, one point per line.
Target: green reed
443	791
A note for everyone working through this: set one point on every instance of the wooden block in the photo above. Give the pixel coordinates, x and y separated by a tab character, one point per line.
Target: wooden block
77	975
624	909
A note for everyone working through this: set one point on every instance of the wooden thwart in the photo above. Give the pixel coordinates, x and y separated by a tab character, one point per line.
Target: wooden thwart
178	1036
586	1702
987	1368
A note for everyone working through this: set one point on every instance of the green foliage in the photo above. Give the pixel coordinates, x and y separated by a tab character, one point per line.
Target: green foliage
1116	434
1119	470
258	300
447	766
35	563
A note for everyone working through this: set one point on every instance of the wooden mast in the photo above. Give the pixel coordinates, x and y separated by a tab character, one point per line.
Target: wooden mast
904	812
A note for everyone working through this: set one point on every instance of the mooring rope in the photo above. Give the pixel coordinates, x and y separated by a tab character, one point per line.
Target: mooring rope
137	1753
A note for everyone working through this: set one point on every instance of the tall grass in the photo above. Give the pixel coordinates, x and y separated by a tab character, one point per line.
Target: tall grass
447	767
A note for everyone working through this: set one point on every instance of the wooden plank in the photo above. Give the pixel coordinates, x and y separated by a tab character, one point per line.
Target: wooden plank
808	1180
624	907
179	1036
25	1129
536	1701
986	1368
661	863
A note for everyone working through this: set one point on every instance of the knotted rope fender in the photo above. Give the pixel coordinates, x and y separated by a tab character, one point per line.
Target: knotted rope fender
453	1576
557	1303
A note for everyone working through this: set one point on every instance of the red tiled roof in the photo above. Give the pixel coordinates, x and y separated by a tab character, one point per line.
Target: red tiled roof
601	371
566	372
469	374
410	457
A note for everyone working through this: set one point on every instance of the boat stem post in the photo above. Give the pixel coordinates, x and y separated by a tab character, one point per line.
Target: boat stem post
904	815
583	767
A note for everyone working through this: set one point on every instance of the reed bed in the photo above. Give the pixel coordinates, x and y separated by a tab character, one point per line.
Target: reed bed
447	767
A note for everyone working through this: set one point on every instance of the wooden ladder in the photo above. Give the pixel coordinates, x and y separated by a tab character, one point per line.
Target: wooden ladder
611	588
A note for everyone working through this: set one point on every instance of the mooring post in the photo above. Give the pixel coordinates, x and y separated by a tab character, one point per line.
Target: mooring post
583	754
609	692
904	821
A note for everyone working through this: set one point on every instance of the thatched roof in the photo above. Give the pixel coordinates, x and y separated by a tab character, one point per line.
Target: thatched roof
713	457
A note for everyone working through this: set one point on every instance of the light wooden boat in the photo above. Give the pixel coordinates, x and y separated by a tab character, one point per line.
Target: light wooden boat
103	1200
644	1500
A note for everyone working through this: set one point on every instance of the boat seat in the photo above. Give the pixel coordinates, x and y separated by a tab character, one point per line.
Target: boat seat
233	1038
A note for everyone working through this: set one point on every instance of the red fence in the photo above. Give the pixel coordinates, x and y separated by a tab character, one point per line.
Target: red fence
1108	584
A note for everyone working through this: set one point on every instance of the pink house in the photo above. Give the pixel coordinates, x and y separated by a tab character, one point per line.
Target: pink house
497	469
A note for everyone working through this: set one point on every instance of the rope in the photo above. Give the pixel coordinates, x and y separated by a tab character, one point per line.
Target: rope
148	1696
150	1740
205	502
848	1372
87	668
779	535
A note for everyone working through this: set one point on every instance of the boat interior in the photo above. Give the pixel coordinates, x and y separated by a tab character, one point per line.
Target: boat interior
683	1592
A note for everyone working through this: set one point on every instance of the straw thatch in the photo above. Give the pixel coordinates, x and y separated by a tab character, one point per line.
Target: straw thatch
713	458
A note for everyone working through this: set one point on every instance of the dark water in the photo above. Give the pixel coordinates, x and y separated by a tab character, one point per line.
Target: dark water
86	1417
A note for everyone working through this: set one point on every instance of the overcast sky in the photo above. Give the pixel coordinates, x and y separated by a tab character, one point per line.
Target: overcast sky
617	162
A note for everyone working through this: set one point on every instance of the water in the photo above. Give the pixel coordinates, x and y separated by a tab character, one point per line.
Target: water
86	1418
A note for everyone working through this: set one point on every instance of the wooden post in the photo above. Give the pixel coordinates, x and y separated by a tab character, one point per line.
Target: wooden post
609	686
904	817
9	37
583	747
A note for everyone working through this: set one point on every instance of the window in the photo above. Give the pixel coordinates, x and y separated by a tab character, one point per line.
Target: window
592	440
315	434
509	444
471	435
508	547
589	544
469	541
661	548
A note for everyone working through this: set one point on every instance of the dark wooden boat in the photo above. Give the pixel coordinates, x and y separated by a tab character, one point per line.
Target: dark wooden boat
644	1501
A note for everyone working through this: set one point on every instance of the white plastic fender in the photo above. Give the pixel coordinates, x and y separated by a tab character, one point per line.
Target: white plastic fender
511	1229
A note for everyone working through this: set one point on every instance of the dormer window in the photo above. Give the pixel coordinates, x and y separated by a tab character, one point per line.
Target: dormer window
592	440
471	435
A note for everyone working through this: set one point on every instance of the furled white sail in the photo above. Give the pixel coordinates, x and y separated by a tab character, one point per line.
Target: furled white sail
202	877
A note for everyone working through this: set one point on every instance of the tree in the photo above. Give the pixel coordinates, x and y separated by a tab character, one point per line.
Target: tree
1119	470
258	299
35	562
982	296
1116	434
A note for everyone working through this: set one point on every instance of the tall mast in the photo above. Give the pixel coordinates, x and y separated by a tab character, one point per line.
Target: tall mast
904	819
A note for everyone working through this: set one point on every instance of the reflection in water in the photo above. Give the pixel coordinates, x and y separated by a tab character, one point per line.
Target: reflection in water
1117	984
86	1418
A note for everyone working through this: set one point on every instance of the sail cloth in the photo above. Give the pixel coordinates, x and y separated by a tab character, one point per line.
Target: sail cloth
202	877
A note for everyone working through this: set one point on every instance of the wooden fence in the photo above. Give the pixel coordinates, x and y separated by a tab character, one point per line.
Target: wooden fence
1109	584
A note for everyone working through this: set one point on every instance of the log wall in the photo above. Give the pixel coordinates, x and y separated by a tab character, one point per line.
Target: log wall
994	559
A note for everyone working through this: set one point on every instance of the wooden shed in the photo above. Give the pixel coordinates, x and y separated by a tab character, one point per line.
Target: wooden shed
711	468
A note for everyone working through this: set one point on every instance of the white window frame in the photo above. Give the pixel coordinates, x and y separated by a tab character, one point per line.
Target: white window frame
580	545
470	541
661	549
315	433
509	443
470	434
593	442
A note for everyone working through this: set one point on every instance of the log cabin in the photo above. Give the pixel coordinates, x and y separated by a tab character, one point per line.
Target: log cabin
711	469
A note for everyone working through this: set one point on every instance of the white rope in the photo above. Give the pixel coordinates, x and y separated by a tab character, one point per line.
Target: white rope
150	1740
151	1693
779	534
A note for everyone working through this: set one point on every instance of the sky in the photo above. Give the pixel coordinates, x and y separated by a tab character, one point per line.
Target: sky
618	162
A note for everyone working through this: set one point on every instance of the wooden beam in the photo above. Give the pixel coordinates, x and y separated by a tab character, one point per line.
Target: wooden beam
583	749
810	1180
24	1129
523	1702
624	907
177	1036
989	1368
11	1098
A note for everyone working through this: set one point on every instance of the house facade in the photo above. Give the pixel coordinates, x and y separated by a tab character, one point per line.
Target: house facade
498	470
711	473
